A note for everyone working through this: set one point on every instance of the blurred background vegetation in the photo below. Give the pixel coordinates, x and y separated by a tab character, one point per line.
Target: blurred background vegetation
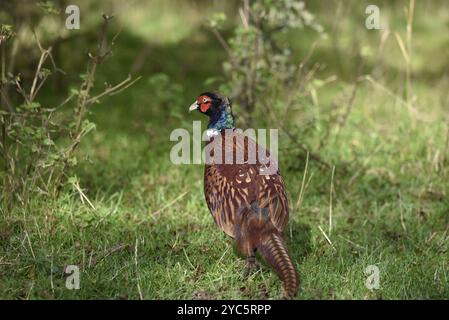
86	117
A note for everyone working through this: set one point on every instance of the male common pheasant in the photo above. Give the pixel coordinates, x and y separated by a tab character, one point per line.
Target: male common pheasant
245	202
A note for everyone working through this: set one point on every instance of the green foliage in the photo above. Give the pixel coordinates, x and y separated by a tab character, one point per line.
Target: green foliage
260	64
6	32
267	81
38	143
285	14
49	7
165	91
217	20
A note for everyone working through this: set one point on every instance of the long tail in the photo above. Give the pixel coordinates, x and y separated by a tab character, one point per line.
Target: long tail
273	249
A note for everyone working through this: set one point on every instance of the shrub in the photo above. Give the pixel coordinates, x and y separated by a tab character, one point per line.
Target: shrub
38	142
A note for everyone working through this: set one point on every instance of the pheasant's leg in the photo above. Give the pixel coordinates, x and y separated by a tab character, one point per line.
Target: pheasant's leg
251	265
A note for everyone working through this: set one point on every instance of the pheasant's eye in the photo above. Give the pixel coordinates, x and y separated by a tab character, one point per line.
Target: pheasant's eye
204	100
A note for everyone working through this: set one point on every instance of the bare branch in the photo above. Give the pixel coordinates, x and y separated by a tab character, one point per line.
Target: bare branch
115	89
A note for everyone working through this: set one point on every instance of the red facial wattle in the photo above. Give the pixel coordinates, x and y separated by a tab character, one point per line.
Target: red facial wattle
204	102
204	106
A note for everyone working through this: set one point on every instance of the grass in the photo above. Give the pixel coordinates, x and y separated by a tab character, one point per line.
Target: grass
151	236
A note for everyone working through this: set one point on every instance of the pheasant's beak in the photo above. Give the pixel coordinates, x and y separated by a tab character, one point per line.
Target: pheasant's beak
193	106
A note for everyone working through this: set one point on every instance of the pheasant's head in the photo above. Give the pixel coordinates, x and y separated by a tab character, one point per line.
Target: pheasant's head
207	103
217	108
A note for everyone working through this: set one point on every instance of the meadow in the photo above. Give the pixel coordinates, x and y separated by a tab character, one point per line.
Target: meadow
367	177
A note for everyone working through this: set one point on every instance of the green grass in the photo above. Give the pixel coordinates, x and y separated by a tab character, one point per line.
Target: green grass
151	235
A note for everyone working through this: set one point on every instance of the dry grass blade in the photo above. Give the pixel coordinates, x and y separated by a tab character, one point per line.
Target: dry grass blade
29	244
331	191
327	238
137	270
169	204
82	195
402	47
302	190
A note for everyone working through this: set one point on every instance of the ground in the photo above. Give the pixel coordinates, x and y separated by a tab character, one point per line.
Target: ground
147	233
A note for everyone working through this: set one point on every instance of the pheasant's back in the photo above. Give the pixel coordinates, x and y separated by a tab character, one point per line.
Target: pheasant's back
240	173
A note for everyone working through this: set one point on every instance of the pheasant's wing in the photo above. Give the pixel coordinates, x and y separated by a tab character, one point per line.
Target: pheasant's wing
230	188
224	198
271	194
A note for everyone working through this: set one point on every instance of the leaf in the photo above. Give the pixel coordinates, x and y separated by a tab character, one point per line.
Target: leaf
212	81
74	91
73	161
49	7
32	105
217	20
72	180
87	126
44	72
48	142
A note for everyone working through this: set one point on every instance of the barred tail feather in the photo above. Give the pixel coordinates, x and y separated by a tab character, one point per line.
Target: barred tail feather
273	249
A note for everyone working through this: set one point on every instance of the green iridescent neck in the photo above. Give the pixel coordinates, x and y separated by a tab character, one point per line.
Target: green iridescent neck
222	120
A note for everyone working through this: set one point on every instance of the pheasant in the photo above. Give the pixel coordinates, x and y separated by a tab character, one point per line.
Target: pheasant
247	204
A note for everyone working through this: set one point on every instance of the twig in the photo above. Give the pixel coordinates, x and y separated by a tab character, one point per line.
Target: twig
299	81
45	53
412	110
3	83
304	148
141	57
84	99
94	261
348	108
363	166
66	100
246	11
115	89
225	46
244	18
